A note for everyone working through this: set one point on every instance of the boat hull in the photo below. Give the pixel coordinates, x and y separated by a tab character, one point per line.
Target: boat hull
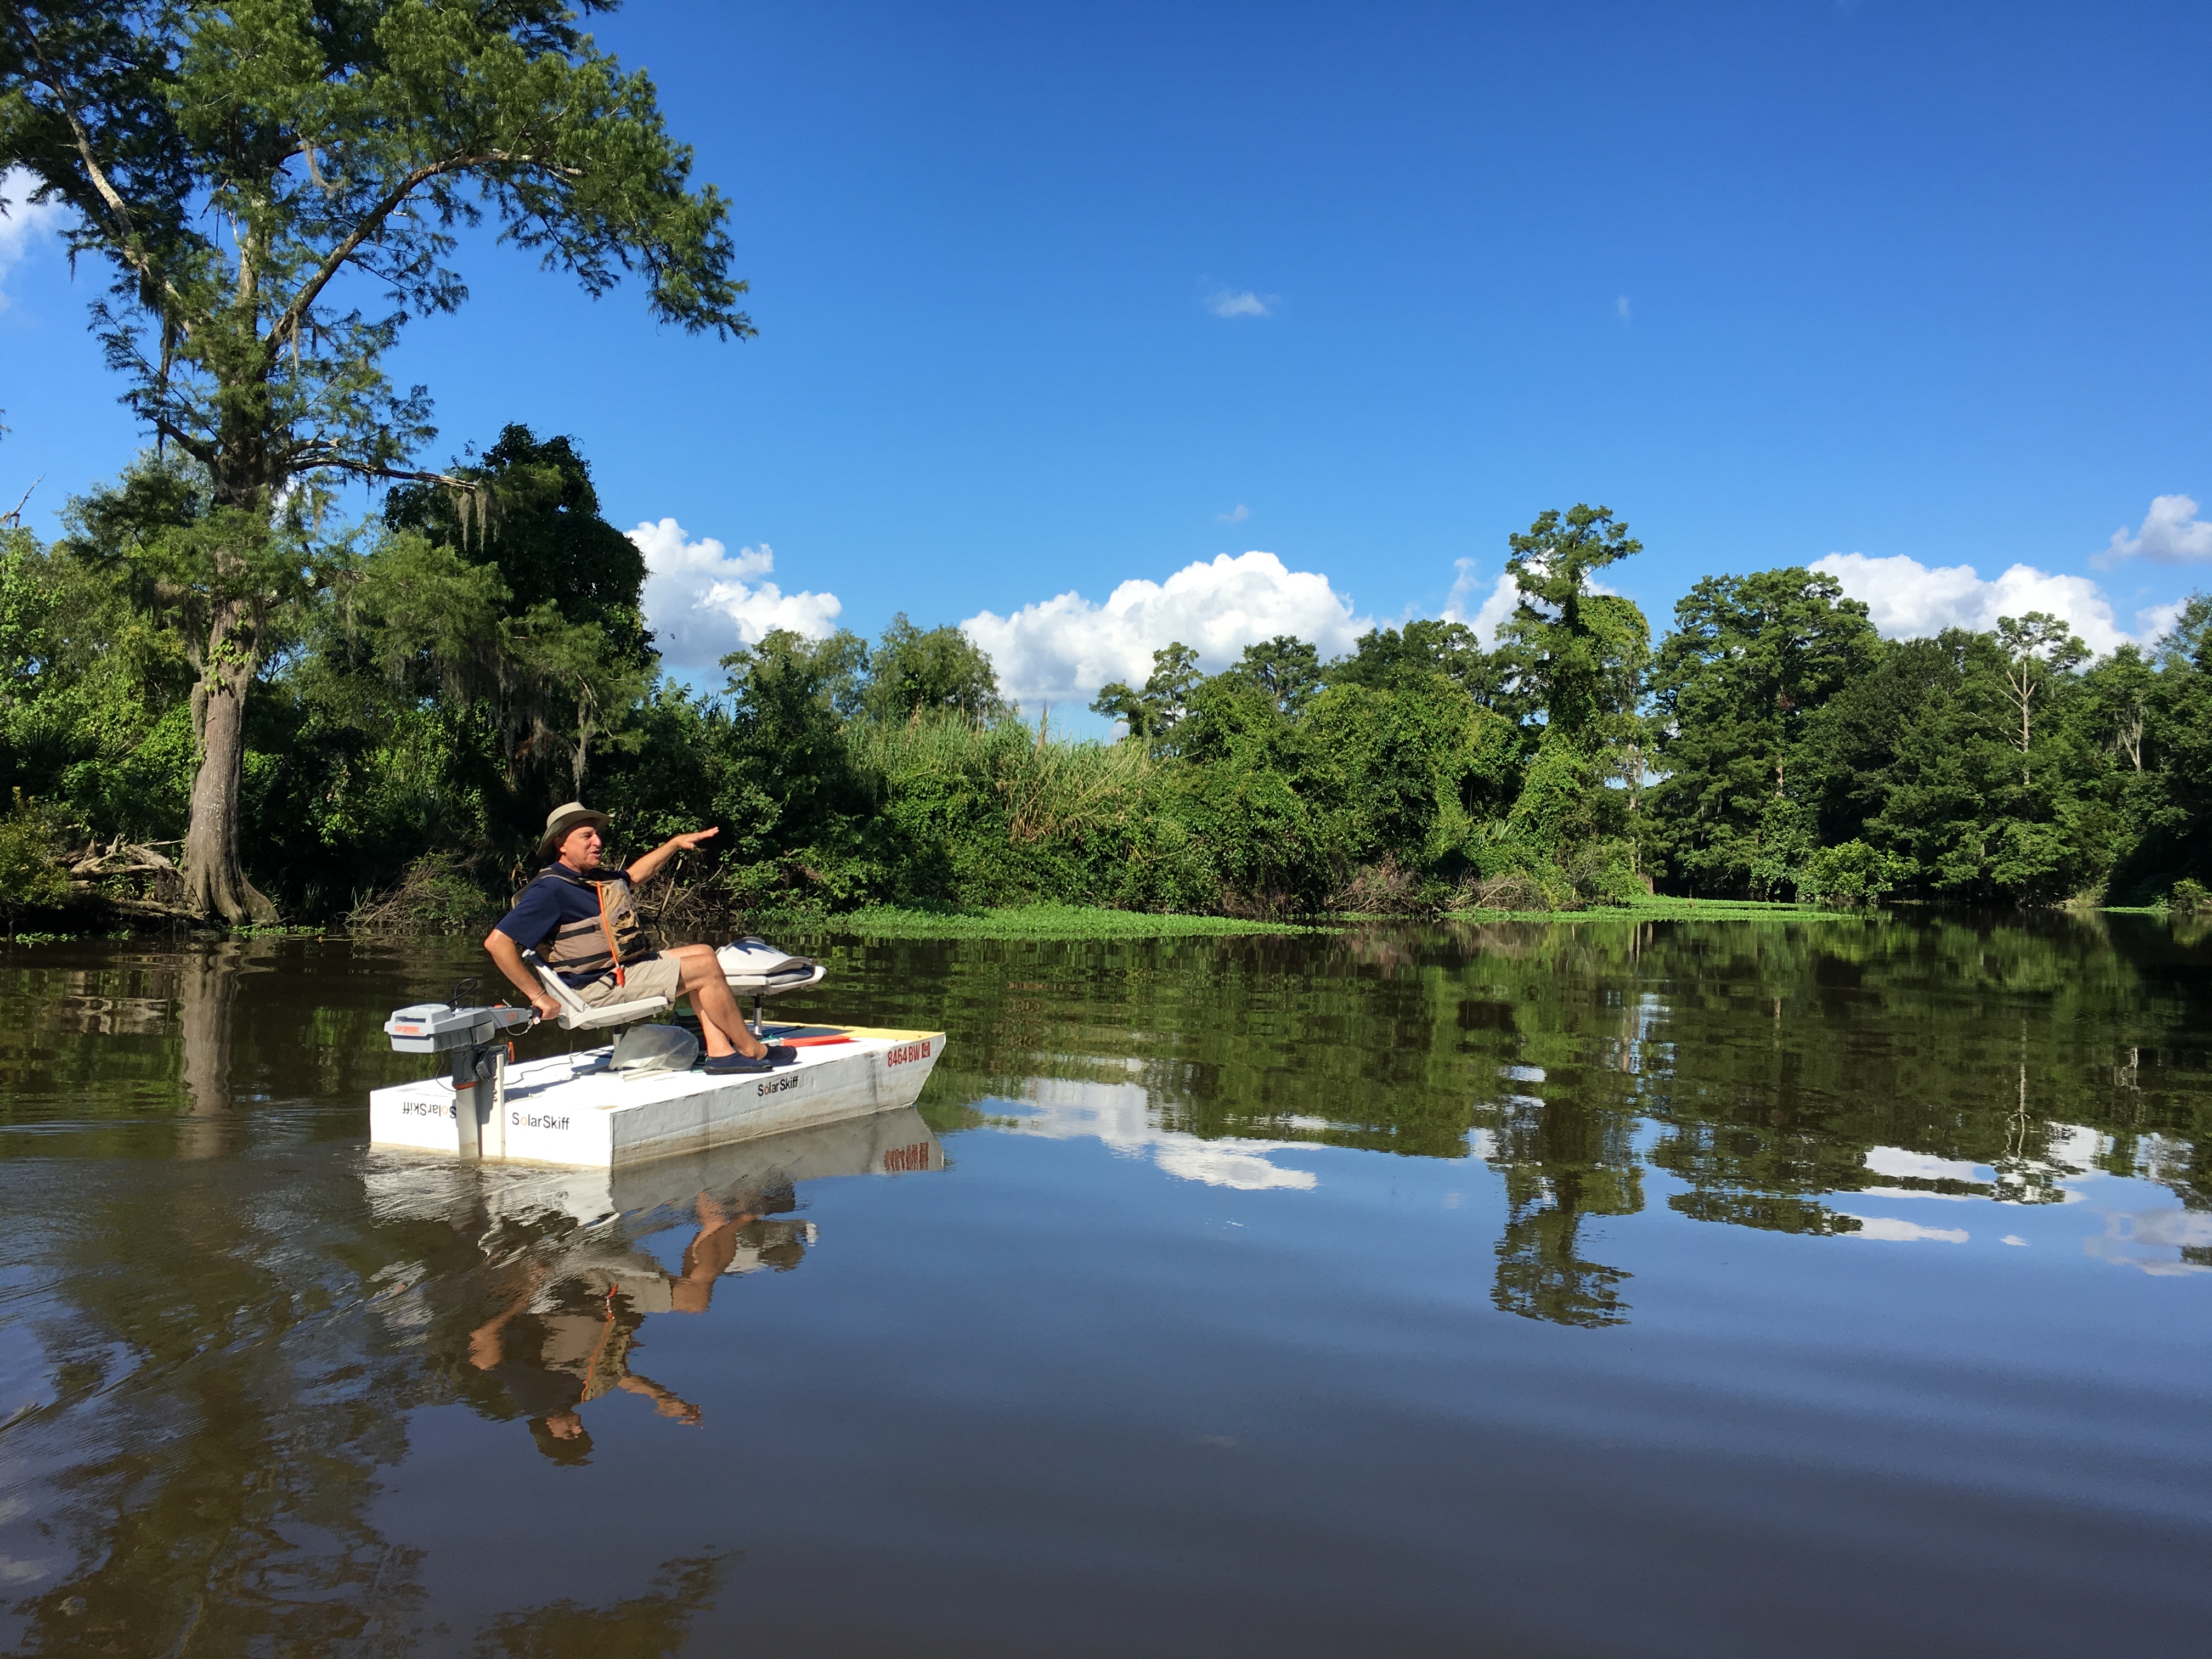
570	1110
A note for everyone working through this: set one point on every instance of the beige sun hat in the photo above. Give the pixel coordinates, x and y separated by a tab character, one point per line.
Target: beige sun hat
563	818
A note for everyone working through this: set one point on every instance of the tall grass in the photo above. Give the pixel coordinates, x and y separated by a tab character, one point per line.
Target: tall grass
1042	789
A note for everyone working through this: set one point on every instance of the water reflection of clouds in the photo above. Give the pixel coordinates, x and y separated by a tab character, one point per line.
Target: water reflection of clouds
1896	1230
2156	1241
1896	1161
2164	1242
2072	1153
1120	1115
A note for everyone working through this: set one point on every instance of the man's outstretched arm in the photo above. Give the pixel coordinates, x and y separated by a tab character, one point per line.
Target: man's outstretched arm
664	1401
646	867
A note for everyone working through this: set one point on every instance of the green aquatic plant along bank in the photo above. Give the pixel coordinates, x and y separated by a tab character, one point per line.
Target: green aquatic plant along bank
1043	921
1659	907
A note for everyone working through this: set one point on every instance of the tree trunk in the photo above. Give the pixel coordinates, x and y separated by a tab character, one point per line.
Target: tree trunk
214	878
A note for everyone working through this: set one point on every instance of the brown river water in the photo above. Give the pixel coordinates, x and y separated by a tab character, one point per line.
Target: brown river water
1795	1287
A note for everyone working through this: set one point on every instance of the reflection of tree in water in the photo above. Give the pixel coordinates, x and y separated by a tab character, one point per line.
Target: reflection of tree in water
224	1433
649	1627
234	1343
238	1387
207	1007
1769	1058
1562	1162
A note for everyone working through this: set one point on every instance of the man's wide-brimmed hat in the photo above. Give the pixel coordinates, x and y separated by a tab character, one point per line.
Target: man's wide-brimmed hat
561	819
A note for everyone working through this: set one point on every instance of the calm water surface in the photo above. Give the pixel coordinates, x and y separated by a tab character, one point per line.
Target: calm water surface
1721	1288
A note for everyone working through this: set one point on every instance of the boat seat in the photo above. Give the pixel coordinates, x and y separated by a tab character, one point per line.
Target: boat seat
578	1015
756	968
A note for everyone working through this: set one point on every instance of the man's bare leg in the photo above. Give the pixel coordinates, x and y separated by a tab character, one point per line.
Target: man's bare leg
721	1023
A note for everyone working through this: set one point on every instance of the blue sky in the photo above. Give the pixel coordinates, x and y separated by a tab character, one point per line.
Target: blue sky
1047	294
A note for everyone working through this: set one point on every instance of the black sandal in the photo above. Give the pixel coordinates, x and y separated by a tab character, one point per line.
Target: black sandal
726	1065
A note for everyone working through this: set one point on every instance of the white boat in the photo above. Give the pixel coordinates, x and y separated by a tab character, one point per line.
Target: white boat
575	1108
637	1099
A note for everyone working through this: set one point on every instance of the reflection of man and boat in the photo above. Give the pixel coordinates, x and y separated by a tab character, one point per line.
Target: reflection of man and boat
567	1338
564	1324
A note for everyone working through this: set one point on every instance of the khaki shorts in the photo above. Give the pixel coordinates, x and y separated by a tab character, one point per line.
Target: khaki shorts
659	975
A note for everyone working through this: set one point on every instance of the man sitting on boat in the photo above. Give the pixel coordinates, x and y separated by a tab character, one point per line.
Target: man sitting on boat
581	922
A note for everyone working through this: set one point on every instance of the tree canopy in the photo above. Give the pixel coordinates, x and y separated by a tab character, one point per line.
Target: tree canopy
275	187
433	683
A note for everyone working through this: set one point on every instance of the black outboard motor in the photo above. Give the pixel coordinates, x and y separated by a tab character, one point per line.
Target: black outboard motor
475	1041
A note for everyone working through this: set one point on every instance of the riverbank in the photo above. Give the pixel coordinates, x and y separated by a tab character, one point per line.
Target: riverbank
1661	907
1043	921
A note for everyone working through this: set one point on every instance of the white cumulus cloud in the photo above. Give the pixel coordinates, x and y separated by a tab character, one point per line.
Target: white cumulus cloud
1238	302
1063	649
2171	534
1489	616
2156	620
703	602
22	223
1236	516
1906	599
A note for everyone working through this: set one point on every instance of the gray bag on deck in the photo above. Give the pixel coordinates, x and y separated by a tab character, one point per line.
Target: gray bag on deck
655	1049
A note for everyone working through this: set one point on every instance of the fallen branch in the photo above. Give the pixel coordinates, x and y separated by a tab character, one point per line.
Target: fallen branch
120	858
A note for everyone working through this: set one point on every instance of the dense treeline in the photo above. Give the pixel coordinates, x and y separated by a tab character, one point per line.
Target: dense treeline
430	683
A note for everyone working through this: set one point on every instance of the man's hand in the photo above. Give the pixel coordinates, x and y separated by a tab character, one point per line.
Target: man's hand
644	869
508	955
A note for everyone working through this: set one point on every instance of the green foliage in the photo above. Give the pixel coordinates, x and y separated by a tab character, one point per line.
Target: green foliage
94	714
1044	921
1408	770
1153	713
435	895
529	511
275	188
2190	897
1577	656
1286	668
1736	687
1851	874
252	174
427	691
987	816
939	672
787	785
1386	657
30	877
